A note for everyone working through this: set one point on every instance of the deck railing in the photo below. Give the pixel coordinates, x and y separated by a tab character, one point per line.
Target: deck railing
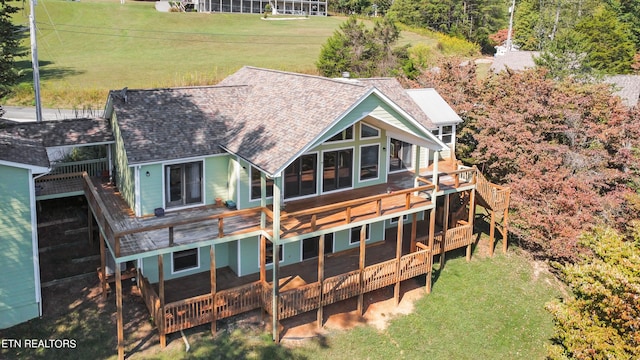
93	167
151	299
188	313
195	311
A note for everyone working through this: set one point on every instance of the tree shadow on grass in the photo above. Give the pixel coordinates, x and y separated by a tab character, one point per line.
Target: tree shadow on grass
48	71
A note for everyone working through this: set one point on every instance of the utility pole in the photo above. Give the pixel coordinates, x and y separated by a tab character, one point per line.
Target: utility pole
512	9
34	59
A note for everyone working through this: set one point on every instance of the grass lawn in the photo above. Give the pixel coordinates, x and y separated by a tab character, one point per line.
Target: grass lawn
490	308
91	46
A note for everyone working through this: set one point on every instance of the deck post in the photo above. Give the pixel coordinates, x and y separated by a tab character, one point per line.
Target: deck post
416	166
163	336
90	225
275	303
396	289
120	320
263	199
414	231
212	273
505	223
263	258
492	231
103	262
445	227
432	230
472	213
363	237
320	278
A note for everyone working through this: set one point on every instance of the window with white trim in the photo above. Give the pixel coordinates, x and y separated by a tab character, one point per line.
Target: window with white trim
446	135
346	134
269	253
183	184
369	162
368	131
394	220
185	260
354	234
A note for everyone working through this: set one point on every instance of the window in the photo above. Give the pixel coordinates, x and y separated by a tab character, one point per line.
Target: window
369	162
300	176
185	260
394	220
255	184
367	131
183	184
354	235
346	134
400	155
310	246
269	252
447	134
337	172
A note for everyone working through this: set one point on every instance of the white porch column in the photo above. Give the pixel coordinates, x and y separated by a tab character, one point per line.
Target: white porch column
436	154
416	161
263	198
277	203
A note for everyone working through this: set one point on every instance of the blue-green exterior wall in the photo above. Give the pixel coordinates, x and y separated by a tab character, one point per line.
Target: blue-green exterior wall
17	283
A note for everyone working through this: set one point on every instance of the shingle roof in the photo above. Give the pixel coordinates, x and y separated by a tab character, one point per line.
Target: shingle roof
434	106
627	87
267	117
168	124
26	143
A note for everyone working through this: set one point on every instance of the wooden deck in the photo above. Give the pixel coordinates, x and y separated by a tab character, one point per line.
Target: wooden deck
130	235
335	264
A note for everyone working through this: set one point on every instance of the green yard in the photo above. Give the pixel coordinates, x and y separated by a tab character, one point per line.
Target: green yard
88	47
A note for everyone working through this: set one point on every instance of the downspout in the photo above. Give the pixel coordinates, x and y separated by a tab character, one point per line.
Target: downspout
34	242
277	185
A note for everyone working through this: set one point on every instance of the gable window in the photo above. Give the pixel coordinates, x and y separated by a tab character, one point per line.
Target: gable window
368	131
183	184
369	162
337	171
354	234
300	176
400	155
255	185
185	260
346	134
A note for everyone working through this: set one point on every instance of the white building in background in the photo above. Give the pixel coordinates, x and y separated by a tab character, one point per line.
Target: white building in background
286	7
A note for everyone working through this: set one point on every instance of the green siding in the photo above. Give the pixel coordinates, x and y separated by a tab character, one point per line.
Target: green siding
216	178
151	188
250	250
17	283
124	174
150	264
232	181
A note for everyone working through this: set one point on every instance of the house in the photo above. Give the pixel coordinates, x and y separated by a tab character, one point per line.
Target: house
25	152
276	191
514	60
293	7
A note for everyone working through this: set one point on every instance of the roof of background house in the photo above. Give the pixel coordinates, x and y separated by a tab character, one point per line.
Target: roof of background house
627	87
436	108
265	116
26	142
514	60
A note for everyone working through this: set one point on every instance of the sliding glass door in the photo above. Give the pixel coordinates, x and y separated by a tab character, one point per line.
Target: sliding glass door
337	169
300	176
183	183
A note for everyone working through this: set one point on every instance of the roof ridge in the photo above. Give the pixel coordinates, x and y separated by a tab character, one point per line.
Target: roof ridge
335	80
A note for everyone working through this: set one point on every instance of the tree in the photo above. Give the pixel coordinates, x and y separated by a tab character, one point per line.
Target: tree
569	152
361	51
9	49
602	319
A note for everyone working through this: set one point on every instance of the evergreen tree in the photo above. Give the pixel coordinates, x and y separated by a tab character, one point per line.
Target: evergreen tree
361	51
9	49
